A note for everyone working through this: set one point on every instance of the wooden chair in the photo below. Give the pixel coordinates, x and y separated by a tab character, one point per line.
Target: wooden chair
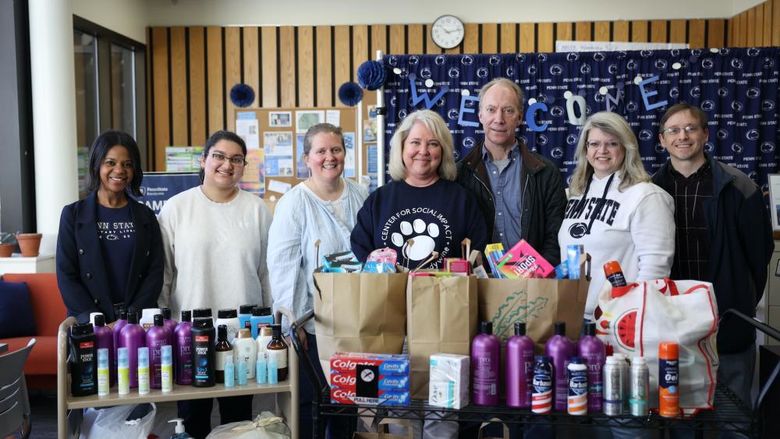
14	403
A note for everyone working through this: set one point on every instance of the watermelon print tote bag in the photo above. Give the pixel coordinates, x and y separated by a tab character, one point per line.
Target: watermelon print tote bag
636	318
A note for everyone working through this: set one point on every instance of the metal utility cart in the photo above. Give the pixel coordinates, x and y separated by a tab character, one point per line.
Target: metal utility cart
286	391
730	413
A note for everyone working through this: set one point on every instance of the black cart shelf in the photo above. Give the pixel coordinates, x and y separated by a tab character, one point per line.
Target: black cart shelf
729	415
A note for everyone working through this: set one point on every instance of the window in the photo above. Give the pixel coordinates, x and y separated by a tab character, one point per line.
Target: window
110	89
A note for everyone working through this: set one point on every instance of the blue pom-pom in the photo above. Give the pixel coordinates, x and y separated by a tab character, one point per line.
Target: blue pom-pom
371	75
350	94
242	95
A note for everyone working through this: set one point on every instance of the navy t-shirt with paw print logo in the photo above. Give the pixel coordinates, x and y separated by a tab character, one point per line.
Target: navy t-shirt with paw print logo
416	221
116	233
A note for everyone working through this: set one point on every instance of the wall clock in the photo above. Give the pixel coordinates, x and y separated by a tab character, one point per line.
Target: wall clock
447	31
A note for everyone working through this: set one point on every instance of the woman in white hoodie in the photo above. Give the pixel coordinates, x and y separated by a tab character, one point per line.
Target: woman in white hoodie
614	210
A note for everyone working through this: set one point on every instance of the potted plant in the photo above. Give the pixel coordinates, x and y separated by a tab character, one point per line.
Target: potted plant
29	243
7	244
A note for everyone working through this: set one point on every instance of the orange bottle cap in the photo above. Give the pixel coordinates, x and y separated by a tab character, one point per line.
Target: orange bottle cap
667	349
612	267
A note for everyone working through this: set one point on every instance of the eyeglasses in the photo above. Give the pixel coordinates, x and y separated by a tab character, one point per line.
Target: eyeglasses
673	131
236	160
598	145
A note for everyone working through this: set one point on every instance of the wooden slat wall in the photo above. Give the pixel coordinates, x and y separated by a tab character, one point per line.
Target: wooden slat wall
758	26
192	69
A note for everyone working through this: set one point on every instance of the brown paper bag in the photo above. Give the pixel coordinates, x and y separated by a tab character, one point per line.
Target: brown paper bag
359	312
538	302
441	318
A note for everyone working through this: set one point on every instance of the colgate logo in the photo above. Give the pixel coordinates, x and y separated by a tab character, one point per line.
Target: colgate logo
344	380
341	394
344	364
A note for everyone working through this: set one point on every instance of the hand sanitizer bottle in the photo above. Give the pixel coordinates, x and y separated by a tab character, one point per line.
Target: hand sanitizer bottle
178	432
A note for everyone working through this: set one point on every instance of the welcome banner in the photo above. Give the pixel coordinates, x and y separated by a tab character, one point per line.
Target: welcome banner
737	88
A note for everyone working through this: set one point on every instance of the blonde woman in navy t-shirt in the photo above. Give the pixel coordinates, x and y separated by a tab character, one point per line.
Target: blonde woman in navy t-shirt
422	210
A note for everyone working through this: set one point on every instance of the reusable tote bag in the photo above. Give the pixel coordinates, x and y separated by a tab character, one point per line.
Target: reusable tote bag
359	312
684	312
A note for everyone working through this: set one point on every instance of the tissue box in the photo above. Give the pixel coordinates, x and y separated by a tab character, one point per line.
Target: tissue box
449	383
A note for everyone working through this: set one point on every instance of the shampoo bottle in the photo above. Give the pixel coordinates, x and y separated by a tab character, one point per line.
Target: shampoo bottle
560	349
593	352
170	324
156	337
485	358
519	370
182	346
132	337
203	353
83	358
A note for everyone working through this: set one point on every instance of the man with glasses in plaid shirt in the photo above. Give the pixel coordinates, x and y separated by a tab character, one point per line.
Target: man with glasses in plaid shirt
723	236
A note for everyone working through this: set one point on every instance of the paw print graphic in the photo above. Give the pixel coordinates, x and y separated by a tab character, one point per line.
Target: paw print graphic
416	239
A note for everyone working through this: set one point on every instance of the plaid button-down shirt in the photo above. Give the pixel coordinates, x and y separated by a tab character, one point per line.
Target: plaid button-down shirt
692	242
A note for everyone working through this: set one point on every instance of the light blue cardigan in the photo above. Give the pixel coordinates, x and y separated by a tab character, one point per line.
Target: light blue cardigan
300	219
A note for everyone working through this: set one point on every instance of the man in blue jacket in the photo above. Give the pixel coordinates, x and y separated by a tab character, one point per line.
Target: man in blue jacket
724	235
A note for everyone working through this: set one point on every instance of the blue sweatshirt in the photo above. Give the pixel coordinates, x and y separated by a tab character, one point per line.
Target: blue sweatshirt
415	221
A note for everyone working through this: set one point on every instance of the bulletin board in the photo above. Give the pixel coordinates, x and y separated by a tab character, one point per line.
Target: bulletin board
274	140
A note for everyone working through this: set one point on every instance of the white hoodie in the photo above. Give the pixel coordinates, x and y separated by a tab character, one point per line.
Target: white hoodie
635	227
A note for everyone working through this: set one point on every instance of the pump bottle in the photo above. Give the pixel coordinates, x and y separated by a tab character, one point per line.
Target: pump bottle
178	431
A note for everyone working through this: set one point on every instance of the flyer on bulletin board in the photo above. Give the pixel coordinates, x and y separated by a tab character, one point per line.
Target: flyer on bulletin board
278	153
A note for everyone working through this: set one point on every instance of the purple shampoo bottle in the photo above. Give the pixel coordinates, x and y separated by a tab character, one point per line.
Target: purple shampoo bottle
593	351
519	370
104	338
156	337
485	360
182	349
132	337
169	324
560	349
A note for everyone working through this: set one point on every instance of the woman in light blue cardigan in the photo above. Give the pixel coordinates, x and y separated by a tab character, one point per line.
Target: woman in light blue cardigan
324	208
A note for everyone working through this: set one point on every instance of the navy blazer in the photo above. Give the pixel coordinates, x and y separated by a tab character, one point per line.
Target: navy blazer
81	273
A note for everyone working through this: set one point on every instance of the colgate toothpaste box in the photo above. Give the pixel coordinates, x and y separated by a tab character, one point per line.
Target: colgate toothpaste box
373	379
388	364
392	398
348	381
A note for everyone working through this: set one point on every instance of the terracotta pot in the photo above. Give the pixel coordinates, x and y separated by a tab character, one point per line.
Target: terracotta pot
6	250
29	243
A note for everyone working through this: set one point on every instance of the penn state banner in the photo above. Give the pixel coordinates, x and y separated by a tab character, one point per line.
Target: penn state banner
737	88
